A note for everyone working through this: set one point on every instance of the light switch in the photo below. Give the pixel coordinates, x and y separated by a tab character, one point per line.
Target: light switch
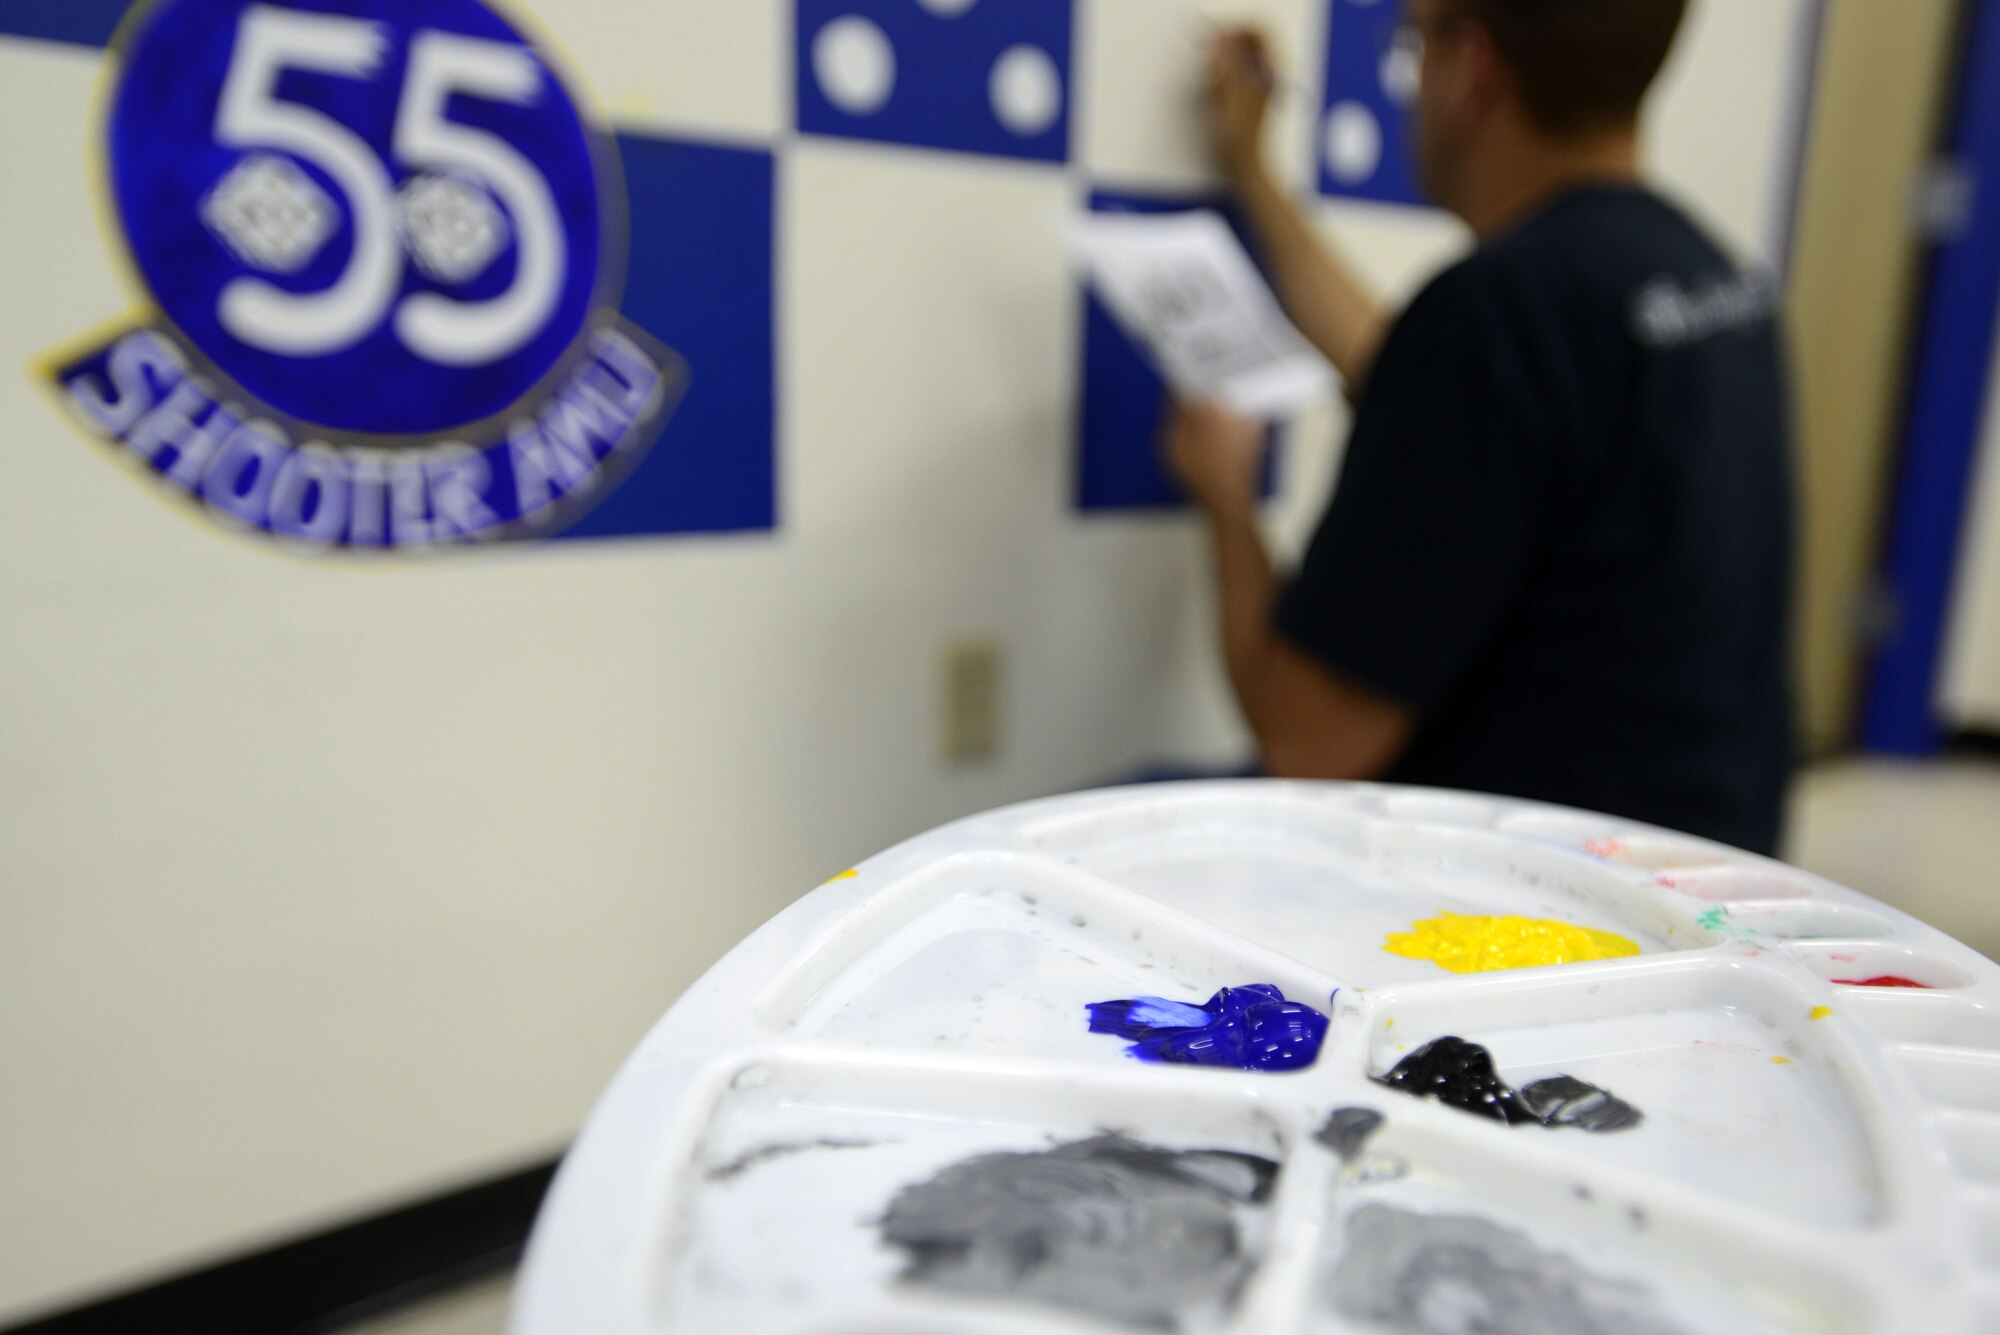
969	700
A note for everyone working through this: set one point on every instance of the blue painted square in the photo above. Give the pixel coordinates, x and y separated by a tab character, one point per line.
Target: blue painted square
1364	142
980	78
700	279
82	22
1123	401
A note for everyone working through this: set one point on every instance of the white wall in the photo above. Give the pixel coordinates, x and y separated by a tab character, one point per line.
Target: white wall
331	886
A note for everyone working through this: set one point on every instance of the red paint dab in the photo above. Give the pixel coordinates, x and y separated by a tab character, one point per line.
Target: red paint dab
1882	980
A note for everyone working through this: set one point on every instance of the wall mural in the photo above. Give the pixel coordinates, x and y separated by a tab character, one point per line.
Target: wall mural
387	299
381	249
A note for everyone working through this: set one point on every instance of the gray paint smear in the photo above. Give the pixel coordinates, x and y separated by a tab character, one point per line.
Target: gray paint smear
1347	1130
1564	1100
1449	1274
756	1158
1123	1231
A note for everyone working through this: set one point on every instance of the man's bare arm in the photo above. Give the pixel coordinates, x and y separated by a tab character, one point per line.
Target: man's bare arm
1326	301
1309	722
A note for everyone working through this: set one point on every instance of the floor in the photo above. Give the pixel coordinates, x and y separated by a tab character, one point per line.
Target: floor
1922	836
476	1309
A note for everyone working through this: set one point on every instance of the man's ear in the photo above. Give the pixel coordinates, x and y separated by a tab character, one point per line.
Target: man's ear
1486	81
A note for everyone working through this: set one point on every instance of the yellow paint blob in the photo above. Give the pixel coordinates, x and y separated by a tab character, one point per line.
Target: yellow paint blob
1821	1012
1465	943
850	872
1781	1061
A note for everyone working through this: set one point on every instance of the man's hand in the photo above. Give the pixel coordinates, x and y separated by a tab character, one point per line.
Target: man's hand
1216	456
1238	92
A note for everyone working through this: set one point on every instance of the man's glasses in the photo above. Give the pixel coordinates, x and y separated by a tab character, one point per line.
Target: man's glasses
1401	41
1405	35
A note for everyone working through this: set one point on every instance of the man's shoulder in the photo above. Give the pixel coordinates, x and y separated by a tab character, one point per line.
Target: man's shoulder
1574	269
1459	292
1478	300
1607	239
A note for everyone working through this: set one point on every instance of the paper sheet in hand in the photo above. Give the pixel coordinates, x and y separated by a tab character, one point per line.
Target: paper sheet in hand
1181	286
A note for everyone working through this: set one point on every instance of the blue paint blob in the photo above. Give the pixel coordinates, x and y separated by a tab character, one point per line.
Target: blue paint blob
1248	1028
1130	1019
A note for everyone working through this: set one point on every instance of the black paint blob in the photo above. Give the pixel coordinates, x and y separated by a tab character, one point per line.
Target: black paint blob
1127	1232
1459	1073
1462	1074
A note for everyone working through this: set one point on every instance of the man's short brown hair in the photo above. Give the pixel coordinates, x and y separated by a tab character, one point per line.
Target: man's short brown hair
1581	64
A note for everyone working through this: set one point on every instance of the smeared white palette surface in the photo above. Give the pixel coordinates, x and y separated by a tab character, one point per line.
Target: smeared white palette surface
1814	1156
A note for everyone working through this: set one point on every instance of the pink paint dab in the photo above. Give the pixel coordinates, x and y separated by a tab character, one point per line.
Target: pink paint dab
1883	980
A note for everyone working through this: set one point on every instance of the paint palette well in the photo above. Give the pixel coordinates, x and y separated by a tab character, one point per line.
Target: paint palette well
1004	957
886	1111
1742	1088
1326	886
806	1173
1441	1245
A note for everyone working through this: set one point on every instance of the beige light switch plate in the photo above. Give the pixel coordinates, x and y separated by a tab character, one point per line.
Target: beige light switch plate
969	699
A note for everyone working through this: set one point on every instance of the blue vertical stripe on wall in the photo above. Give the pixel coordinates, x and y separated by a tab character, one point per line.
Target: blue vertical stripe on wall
700	279
82	22
1118	463
1948	398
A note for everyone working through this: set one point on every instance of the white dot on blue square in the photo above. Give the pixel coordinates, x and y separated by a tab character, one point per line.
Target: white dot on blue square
972	76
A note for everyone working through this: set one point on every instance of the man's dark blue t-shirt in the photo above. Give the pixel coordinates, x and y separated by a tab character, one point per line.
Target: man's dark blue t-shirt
1562	533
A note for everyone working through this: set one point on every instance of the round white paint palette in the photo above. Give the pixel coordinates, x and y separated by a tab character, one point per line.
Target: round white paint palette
1814	1156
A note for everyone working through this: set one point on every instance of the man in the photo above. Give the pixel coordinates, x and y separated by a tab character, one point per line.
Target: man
1557	563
